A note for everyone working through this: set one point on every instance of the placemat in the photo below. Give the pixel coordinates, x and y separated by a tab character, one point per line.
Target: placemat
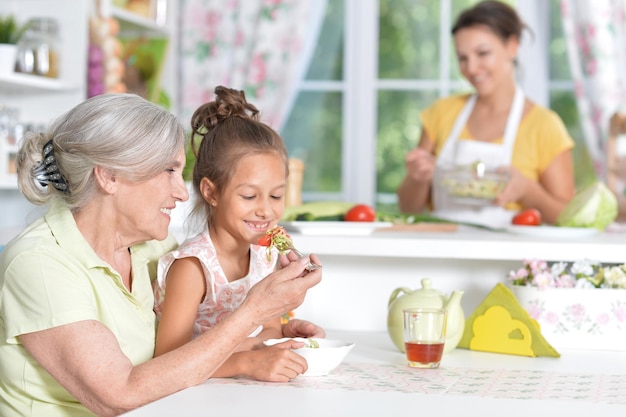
515	384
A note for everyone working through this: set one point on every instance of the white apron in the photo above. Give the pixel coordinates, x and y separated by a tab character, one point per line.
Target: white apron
465	152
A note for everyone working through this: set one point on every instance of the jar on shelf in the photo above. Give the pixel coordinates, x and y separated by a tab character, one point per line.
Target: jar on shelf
39	47
8	121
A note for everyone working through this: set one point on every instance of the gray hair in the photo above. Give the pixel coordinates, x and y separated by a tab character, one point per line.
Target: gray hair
123	133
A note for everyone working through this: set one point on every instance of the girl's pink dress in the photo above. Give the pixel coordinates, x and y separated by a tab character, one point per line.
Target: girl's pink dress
222	297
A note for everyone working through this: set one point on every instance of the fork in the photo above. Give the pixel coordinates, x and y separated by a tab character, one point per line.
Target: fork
312	266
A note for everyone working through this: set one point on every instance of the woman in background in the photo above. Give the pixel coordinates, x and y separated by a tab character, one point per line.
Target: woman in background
496	125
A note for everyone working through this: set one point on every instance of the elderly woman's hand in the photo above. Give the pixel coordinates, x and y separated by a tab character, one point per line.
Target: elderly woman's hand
302	328
283	290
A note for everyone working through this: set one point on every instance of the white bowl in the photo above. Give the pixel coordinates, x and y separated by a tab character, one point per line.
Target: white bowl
320	360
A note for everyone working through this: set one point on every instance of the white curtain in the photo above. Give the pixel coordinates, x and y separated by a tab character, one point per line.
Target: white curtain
260	46
595	32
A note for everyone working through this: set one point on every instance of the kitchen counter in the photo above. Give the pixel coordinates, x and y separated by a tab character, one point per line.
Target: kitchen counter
361	272
374	380
467	243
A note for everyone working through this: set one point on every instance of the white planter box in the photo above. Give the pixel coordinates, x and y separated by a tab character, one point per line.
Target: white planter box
8	54
577	318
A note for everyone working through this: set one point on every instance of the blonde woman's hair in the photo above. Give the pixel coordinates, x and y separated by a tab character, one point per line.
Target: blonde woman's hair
123	133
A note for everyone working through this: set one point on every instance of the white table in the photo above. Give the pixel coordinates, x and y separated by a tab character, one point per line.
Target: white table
374	381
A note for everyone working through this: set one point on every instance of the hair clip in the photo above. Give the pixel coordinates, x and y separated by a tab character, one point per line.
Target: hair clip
47	171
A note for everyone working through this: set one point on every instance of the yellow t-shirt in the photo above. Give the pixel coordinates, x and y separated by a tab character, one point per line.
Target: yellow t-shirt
541	135
50	276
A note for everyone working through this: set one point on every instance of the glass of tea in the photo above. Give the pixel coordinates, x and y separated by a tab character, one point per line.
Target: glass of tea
424	336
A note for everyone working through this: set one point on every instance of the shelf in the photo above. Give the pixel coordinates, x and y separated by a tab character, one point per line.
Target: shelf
131	23
8	183
19	82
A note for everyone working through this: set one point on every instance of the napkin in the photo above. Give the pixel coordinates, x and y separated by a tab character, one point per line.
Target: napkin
501	325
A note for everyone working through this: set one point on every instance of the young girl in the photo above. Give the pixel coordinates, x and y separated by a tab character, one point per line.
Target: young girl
240	181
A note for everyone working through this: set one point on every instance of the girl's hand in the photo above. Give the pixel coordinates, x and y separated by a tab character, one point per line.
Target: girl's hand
276	363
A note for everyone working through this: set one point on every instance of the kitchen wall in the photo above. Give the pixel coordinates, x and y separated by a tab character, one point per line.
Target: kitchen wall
16	211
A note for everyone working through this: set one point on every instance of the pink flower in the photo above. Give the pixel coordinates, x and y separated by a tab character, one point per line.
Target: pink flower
603	319
240	38
579	89
195	96
565	281
620	313
578	312
536	266
543	280
582	274
552	317
519	274
259	69
534	311
591	67
591	30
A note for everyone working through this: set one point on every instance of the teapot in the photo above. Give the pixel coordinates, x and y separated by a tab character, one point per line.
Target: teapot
426	297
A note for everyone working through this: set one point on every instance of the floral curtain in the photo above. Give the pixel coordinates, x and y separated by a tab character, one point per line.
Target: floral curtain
260	46
595	32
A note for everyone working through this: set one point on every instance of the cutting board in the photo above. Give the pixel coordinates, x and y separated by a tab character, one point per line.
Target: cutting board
420	227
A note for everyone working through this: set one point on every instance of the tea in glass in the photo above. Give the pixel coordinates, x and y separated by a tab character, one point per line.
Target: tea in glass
424	336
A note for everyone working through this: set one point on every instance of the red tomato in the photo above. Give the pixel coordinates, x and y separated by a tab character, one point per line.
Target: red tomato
528	217
360	213
265	240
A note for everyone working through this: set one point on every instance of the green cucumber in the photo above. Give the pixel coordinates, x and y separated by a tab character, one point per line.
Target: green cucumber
317	211
310	217
413	218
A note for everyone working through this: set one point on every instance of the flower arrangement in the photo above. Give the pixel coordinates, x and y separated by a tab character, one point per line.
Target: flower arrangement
578	274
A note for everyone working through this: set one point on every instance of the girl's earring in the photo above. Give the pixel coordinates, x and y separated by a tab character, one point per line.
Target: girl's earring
214	203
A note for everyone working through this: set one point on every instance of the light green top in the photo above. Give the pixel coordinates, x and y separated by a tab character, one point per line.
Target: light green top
50	276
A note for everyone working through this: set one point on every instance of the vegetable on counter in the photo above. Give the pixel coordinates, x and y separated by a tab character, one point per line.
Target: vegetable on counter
528	217
361	213
317	211
337	210
594	206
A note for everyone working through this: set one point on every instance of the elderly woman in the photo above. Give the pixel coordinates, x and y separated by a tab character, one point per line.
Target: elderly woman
77	327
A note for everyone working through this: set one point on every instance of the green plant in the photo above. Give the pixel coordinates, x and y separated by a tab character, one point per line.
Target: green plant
10	30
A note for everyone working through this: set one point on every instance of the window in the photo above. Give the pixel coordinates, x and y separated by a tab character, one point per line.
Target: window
377	64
